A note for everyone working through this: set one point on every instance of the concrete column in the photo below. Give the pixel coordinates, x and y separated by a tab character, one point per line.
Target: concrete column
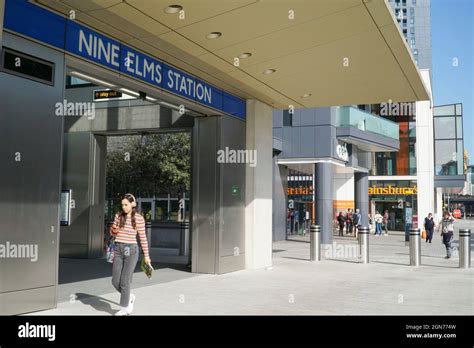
324	200
361	181
258	192
425	154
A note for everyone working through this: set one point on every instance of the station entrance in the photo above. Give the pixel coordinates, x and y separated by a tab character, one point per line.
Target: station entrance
162	149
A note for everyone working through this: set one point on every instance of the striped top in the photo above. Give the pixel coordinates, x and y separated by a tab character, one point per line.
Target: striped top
127	234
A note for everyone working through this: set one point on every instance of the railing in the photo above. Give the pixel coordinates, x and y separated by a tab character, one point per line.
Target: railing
352	117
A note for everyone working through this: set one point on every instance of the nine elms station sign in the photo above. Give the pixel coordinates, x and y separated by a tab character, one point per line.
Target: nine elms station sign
30	20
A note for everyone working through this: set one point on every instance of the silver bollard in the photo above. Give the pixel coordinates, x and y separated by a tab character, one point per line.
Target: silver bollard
315	243
364	244
415	247
464	248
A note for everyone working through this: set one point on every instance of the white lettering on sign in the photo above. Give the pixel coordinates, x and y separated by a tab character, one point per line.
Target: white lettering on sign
342	153
96	48
189	87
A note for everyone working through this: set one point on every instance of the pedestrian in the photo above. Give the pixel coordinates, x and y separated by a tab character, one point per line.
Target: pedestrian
341	220
292	219
297	221
392	220
447	232
371	223
429	227
357	221
127	224
349	221
385	222
378	223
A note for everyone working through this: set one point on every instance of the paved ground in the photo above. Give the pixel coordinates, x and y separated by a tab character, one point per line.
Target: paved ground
337	285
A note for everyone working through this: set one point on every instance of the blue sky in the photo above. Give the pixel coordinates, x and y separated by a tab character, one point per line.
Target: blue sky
452	35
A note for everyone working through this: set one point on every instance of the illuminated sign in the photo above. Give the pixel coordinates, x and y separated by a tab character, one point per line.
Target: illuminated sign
390	190
106	94
300	190
342	153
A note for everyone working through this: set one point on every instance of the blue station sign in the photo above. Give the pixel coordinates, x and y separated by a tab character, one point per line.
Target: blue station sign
40	24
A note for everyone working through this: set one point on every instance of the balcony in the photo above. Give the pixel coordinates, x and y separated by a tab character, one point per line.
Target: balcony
367	131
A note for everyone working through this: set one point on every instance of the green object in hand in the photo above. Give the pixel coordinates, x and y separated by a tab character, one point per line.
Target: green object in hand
148	269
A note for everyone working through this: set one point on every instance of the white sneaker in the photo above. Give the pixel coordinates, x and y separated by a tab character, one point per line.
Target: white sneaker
129	308
122	311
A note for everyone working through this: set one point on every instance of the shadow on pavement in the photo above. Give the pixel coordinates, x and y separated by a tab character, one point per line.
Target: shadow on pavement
98	303
76	270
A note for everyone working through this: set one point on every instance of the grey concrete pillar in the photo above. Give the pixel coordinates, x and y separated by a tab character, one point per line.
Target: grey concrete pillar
324	200
362	195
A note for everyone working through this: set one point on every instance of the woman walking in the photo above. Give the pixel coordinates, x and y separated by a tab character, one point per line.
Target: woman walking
447	232
127	224
378	224
385	222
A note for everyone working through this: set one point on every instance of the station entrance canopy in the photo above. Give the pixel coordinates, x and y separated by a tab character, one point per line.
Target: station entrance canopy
302	53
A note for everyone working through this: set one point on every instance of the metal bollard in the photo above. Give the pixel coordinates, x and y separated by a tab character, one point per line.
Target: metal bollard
315	243
364	244
415	247
465	248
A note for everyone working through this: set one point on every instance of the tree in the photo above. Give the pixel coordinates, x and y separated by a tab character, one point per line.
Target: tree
156	165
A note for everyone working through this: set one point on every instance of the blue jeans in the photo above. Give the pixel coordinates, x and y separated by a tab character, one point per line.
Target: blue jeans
378	228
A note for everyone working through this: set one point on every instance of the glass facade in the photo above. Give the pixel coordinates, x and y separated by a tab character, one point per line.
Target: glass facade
402	162
418	15
448	140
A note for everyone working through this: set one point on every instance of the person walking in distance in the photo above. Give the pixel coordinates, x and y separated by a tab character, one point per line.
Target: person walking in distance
341	221
378	223
349	221
357	221
385	222
429	227
447	232
127	224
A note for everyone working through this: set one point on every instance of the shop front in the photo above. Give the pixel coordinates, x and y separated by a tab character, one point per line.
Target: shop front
398	198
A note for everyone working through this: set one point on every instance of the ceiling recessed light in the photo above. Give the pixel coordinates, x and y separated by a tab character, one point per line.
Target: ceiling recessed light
214	35
306	95
173	9
269	71
244	55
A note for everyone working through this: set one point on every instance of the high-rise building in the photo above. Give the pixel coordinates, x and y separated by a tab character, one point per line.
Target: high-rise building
414	18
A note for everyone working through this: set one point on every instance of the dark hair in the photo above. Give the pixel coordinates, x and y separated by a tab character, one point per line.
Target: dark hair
123	216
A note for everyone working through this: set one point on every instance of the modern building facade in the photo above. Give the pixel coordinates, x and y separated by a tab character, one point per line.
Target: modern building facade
414	19
333	147
200	64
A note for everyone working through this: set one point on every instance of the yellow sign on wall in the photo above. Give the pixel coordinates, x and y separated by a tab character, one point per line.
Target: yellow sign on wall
390	190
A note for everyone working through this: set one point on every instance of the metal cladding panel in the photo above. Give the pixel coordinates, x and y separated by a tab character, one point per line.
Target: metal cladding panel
31	156
232	194
77	155
205	195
